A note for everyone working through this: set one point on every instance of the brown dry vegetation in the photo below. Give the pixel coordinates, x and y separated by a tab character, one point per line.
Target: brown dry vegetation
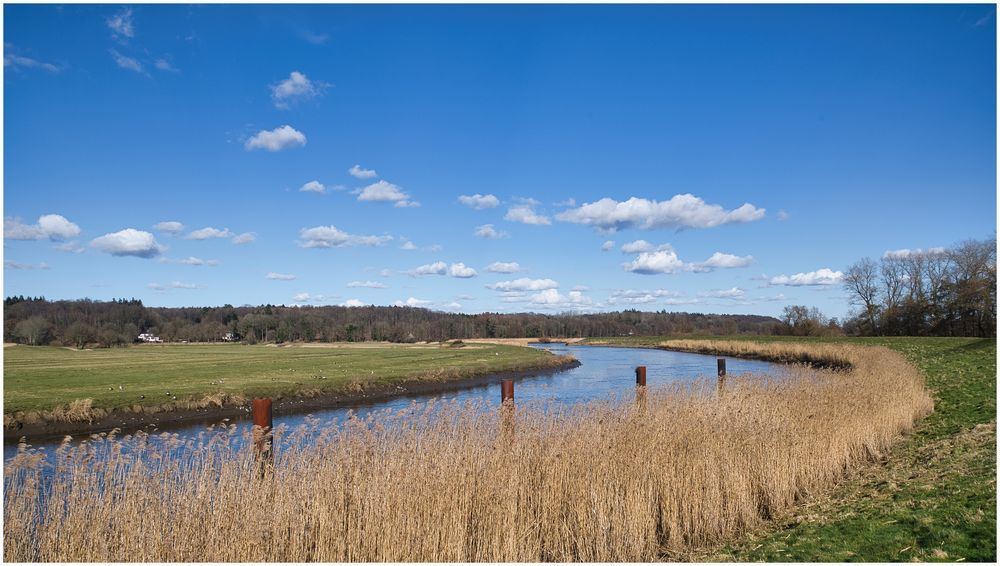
600	482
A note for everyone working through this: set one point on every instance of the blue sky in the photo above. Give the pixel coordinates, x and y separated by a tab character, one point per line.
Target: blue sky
742	155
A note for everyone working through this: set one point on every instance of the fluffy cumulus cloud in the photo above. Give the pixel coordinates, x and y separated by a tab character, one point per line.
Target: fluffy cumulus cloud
525	214
489	232
608	246
660	261
681	211
359	172
553	299
209	233
128	242
436	268
367	284
460	271
353	303
411	302
733	293
296	88
313	187
171	227
504	267
906	252
280	276
479	202
722	260
384	191
525	284
819	277
633	297
52	227
333	237
282	137
637	246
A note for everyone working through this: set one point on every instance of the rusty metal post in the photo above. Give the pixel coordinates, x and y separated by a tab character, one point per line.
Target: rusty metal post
722	373
507	409
640	389
263	441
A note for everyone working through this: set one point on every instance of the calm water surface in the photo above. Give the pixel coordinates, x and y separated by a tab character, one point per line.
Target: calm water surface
603	374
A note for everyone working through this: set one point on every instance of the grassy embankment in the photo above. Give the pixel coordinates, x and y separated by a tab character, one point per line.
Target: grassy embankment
62	384
934	498
688	468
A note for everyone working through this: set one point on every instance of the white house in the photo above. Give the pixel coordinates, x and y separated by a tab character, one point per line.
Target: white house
144	337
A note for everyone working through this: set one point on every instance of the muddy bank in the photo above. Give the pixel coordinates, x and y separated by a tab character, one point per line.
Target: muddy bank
130	422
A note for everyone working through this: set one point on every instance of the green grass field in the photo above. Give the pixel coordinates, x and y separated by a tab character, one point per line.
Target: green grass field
40	378
933	499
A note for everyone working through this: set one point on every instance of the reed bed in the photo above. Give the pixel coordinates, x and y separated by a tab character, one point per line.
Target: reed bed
606	481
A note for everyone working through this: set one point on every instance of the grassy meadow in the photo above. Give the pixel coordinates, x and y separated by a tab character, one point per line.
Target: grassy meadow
932	499
689	468
41	378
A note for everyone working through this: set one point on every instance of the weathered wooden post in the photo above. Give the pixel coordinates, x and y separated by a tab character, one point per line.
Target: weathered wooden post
263	439
722	373
507	409
640	388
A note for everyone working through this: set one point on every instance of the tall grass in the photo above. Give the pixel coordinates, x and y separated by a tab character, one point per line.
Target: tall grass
599	482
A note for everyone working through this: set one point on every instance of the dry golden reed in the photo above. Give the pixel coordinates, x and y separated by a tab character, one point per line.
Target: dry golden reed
605	481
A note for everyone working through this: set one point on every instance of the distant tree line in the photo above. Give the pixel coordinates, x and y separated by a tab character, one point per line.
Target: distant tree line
81	322
938	292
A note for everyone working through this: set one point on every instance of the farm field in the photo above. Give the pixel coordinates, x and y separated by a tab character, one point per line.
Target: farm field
41	378
934	498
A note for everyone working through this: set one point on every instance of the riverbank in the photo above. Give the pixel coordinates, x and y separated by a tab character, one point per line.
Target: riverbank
211	383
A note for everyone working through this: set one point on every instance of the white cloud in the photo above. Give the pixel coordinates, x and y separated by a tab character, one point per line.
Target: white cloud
208	233
525	214
385	273
460	271
280	276
16	62
313	187
637	246
332	237
180	285
661	261
489	232
124	62
296	88
436	268
408	246
165	65
733	293
128	242
681	211
453	305
155	286
722	260
479	202
170	227
608	246
823	276
411	302
276	140
71	247
504	267
244	238
630	296
191	260
8	264
52	227
525	284
568	202
353	303
121	24
782	215
367	284
553	299
359	172
906	252
384	191
302	297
